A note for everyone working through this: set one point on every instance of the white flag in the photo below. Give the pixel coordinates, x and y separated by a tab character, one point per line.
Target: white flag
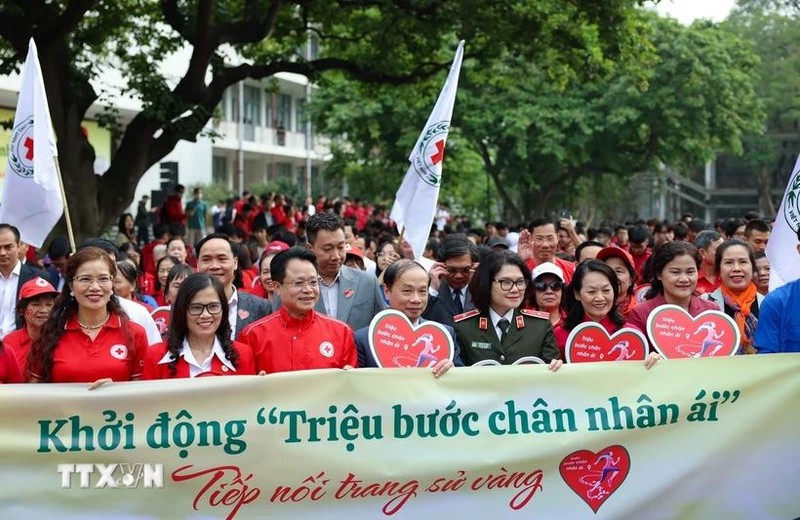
415	204
32	197
784	258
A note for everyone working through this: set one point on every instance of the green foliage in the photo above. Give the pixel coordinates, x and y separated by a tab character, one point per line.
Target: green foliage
671	94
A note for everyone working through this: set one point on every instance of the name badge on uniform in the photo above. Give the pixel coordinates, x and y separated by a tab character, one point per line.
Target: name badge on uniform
480	345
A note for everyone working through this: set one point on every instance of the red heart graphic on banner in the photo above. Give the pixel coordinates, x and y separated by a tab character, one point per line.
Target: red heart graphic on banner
676	334
596	476
590	342
395	343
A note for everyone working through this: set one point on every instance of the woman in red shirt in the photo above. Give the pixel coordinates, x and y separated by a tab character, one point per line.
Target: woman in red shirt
36	300
199	341
592	296
88	337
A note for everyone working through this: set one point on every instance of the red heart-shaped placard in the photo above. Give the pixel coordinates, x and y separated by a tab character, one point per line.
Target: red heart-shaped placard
161	315
676	334
596	476
590	342
396	343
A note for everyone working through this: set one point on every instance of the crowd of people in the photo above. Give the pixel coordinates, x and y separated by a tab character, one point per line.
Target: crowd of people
260	285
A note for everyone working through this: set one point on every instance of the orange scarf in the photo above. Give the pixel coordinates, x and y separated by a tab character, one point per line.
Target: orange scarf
740	302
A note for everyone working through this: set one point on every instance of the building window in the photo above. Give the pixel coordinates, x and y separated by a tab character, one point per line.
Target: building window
300	115
252	106
219	170
233	102
279	111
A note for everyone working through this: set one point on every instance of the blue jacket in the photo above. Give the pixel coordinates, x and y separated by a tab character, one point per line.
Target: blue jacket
779	321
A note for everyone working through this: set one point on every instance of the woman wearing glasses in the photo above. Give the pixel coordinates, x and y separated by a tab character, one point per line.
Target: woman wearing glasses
199	341
88	337
499	328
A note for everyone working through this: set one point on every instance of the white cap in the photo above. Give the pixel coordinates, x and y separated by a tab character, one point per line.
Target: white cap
547	268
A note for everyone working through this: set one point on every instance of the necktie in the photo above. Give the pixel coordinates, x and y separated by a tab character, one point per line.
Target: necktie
457	301
503	325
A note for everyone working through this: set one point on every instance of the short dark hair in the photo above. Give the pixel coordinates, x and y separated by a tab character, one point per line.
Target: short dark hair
455	245
324	221
731	225
756	225
480	287
697	225
102	243
638	234
588	243
222	236
279	262
705	238
398	269
538	222
11	228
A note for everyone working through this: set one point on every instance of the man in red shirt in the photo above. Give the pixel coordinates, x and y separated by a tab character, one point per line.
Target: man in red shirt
639	248
540	244
296	337
707	242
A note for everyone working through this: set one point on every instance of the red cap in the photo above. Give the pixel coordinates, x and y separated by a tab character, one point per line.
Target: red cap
610	251
355	252
276	246
36	287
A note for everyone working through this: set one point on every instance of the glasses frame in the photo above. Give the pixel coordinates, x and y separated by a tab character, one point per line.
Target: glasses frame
87	281
203	307
506	285
553	286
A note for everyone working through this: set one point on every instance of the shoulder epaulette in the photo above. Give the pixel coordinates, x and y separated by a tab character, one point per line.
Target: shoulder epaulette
464	315
535	314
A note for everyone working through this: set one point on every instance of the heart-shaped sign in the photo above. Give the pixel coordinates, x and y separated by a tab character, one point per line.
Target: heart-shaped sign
396	343
596	476
590	342
161	315
676	334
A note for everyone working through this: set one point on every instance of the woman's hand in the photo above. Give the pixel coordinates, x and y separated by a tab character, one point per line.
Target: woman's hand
555	365
100	382
651	359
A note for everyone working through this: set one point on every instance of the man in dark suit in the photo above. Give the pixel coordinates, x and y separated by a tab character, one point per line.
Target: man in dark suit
215	257
450	277
13	275
347	294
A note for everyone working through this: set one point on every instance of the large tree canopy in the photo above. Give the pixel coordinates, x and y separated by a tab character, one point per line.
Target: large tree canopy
678	95
380	41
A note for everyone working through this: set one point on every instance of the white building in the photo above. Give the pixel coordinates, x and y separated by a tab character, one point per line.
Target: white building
260	136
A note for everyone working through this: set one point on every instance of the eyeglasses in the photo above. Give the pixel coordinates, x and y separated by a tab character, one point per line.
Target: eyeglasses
543	286
196	309
506	284
86	281
299	285
459	270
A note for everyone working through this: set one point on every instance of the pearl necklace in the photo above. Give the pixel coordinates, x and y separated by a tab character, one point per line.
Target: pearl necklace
94	327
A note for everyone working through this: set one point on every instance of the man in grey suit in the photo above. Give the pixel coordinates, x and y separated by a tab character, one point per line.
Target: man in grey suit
347	294
215	256
450	276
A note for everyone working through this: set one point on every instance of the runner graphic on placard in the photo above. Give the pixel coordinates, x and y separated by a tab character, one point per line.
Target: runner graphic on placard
426	357
609	468
622	347
711	339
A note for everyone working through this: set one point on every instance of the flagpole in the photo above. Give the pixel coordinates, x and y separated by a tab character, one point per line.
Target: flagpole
66	208
399	246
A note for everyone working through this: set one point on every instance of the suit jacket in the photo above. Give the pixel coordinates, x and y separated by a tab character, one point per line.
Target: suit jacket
360	298
28	272
367	360
719	299
250	308
527	336
442	308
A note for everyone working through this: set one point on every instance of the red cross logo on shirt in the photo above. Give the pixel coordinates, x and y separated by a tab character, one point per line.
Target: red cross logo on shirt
119	351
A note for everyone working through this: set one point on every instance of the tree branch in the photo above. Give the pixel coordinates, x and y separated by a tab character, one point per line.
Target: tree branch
172	15
70	18
250	29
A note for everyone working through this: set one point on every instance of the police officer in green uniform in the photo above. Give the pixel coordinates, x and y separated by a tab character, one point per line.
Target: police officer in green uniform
498	328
